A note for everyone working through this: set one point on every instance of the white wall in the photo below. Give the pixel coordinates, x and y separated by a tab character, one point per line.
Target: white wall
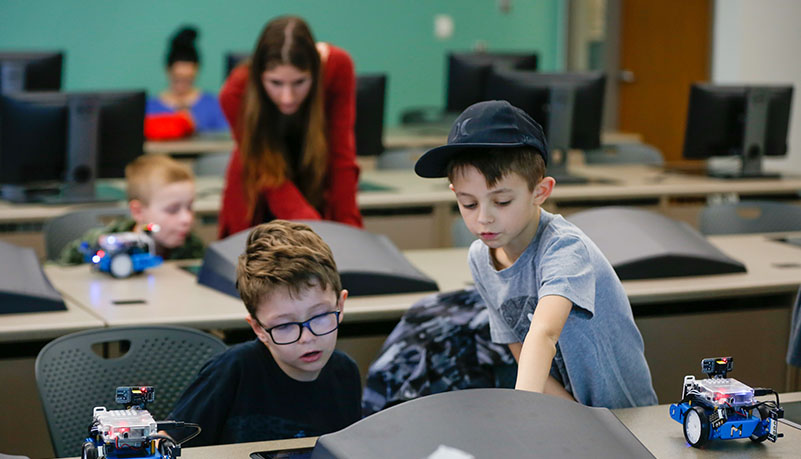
759	41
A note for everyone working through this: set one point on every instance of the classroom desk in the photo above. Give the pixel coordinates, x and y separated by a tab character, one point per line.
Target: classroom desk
402	188
418	213
428	136
395	137
652	426
40	326
695	317
169	295
664	437
213	143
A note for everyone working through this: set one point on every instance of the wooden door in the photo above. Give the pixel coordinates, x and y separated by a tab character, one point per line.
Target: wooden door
664	47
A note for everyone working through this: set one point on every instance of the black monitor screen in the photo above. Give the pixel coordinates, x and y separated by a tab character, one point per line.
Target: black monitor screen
30	71
369	128
716	120
232	59
35	135
468	72
531	92
122	127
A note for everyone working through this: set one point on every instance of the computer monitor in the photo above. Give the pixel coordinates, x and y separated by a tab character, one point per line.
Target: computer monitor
53	145
369	127
30	71
746	121
468	73
232	59
569	106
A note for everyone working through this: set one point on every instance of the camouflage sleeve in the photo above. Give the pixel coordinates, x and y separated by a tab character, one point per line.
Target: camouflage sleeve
193	248
71	253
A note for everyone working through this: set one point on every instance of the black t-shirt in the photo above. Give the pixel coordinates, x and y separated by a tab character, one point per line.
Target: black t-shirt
242	395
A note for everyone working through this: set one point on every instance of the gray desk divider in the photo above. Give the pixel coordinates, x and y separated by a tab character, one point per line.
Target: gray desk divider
369	264
645	245
23	285
486	423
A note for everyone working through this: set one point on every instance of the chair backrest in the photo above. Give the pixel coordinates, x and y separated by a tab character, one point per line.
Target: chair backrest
750	217
625	153
73	379
211	164
61	230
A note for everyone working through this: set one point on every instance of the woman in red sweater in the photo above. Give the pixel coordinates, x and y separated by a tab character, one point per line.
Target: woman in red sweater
292	108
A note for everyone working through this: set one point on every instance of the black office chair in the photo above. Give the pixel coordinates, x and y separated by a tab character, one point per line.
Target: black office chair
72	378
61	230
750	217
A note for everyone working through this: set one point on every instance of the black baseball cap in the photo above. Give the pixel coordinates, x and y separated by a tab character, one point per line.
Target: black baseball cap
489	124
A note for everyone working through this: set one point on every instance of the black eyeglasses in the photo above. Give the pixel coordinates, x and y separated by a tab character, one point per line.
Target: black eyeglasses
319	325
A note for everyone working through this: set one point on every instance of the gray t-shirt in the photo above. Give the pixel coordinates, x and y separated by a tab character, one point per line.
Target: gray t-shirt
599	355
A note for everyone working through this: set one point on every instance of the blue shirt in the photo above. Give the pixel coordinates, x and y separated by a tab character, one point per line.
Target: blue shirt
206	112
599	355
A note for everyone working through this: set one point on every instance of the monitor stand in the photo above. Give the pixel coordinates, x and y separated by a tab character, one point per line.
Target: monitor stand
557	168
756	120
560	127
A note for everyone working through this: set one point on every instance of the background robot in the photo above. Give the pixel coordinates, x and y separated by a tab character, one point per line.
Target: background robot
123	254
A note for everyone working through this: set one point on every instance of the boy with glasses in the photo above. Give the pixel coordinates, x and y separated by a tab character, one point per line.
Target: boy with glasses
289	382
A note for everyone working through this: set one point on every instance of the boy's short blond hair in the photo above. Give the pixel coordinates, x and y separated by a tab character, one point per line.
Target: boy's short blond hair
284	254
496	163
147	173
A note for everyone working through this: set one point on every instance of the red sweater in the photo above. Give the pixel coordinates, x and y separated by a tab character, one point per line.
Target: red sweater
286	201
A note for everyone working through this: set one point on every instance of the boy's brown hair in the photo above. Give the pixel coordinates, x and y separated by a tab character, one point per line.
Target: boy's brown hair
496	163
147	173
284	254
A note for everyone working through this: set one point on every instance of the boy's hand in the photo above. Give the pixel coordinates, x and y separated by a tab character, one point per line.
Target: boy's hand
539	347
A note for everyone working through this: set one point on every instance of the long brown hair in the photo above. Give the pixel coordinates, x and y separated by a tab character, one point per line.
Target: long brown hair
285	40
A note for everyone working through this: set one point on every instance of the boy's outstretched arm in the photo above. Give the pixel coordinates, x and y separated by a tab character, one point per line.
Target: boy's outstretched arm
539	347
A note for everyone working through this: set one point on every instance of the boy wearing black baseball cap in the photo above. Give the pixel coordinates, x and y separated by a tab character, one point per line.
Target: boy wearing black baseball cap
551	294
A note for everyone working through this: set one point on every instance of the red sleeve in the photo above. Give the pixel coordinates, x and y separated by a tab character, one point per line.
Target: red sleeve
233	209
339	84
231	96
284	201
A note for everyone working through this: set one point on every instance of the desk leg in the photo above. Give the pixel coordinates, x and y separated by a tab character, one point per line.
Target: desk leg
442	224
793	379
